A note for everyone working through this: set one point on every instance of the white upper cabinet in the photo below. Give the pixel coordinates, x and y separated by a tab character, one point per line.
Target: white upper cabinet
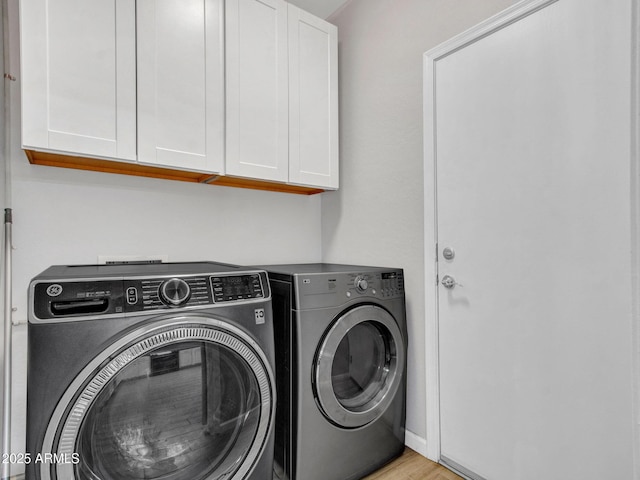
207	90
257	89
313	100
282	96
181	84
78	76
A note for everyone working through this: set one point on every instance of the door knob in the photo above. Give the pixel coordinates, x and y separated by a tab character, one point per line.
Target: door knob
449	282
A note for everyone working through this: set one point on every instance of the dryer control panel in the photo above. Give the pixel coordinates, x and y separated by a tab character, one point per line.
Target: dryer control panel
67	299
385	284
318	290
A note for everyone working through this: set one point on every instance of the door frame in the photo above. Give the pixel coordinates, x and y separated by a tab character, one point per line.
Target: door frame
512	14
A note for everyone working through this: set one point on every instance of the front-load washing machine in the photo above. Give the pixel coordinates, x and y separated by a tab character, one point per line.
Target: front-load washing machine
341	343
159	371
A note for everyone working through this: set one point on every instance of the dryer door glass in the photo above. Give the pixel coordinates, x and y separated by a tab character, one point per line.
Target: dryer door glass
185	404
359	366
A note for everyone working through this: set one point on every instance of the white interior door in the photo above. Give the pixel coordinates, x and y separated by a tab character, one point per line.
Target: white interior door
529	138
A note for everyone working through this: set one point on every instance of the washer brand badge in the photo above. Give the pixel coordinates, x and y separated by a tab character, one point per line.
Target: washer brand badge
54	290
259	312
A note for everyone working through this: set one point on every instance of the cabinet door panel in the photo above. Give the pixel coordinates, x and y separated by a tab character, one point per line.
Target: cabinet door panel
313	100
257	89
180	84
78	72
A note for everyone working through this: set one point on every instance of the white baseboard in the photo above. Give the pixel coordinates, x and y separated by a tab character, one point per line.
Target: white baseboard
416	443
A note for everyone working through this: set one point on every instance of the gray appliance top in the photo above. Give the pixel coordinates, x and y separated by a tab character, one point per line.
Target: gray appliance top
119	270
327	285
313	268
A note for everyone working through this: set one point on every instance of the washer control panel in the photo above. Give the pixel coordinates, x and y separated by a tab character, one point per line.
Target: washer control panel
159	293
96	298
194	291
229	288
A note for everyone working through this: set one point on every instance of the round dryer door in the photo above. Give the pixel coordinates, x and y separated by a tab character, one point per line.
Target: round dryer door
359	366
185	399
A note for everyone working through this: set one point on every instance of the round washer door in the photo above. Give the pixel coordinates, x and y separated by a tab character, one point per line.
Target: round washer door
359	366
189	398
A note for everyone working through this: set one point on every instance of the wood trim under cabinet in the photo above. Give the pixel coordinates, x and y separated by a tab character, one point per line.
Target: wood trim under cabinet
97	165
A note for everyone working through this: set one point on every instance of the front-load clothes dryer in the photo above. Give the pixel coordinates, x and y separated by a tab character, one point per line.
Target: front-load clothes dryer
341	343
159	371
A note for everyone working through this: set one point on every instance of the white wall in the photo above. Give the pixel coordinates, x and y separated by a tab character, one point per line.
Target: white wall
376	218
64	216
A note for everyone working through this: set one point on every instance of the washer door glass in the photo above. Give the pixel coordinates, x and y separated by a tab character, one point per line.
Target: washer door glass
359	366
186	403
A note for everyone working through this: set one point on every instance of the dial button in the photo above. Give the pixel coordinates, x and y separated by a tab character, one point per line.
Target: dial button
361	284
175	292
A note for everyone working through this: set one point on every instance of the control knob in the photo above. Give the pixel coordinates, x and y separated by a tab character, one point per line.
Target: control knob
175	292
361	284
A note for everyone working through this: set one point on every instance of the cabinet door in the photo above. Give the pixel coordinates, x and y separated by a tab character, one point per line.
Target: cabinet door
78	76
313	100
180	84
257	89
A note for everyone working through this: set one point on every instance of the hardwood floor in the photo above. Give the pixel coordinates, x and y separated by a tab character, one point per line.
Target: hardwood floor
413	466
